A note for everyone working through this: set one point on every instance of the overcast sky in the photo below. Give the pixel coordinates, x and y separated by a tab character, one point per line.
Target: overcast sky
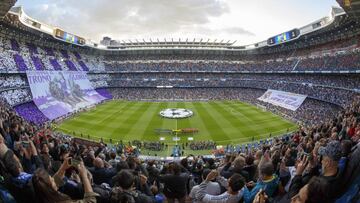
247	21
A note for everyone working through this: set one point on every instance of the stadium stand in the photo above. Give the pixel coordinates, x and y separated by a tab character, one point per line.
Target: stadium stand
316	163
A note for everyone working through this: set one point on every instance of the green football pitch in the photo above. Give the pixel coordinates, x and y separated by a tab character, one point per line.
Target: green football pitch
221	121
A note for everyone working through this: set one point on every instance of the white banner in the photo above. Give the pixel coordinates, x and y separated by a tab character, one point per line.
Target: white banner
57	93
286	100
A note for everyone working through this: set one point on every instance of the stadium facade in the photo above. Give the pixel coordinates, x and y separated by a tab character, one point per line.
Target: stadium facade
308	74
318	60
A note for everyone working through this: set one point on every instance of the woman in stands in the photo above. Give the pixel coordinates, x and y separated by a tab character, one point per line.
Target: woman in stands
46	187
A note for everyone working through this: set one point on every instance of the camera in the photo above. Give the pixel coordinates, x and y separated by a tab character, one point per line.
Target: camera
25	144
74	162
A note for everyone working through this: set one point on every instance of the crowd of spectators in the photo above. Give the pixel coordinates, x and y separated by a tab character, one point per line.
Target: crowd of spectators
11	82
38	165
18	55
309	110
16	96
347	81
195	66
342	61
202	145
335	92
153	146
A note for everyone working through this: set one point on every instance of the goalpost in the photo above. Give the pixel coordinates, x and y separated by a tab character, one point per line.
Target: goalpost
262	107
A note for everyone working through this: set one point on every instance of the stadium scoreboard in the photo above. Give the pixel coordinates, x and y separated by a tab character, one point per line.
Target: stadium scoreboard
67	37
284	37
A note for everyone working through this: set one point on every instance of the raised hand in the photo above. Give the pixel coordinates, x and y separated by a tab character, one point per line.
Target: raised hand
212	175
302	165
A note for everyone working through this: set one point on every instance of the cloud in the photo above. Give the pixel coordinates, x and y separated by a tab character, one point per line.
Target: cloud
223	30
123	19
238	30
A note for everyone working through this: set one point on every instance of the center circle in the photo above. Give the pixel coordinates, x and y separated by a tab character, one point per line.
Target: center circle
176	113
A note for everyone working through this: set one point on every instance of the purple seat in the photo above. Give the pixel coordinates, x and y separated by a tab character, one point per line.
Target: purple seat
14	45
20	63
38	63
64	53
31	113
70	65
49	51
77	55
32	48
83	66
105	93
55	64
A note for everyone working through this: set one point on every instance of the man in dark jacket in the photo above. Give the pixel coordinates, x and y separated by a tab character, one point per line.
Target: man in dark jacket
124	190
237	166
329	156
100	173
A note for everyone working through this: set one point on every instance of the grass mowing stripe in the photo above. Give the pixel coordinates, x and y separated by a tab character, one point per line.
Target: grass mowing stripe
238	122
228	127
269	121
247	116
183	123
143	121
216	131
82	124
91	120
105	124
250	123
106	128
220	121
251	111
129	121
197	122
169	123
156	122
115	110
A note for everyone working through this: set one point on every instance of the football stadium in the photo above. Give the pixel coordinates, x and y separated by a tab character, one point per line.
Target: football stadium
134	102
222	122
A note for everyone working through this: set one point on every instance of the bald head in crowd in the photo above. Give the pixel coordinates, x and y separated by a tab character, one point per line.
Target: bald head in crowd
98	163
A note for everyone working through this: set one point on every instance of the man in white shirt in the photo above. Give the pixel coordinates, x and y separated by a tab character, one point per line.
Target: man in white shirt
234	185
213	188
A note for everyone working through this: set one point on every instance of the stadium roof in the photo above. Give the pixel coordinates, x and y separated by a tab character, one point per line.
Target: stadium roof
171	43
19	18
5	6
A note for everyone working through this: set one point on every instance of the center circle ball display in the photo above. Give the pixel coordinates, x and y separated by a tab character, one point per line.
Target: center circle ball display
176	113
